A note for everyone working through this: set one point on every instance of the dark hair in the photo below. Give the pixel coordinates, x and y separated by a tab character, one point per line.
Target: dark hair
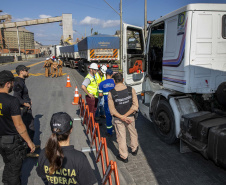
118	77
2	84
54	152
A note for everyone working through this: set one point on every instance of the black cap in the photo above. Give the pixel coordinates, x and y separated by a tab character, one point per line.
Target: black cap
62	121
21	68
109	71
6	76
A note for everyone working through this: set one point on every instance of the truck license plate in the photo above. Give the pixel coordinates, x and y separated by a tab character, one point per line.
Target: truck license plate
103	52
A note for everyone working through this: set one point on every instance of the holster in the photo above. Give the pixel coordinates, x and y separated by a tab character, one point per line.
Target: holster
14	146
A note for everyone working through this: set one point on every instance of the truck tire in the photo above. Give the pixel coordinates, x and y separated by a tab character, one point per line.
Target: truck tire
79	67
86	70
164	122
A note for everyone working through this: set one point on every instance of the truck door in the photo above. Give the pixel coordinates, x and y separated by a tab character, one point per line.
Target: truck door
134	65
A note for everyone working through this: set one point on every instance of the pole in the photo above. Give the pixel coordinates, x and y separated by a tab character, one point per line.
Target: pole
18	40
121	35
145	19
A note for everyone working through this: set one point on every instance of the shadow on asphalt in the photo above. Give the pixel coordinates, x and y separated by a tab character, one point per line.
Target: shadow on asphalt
30	163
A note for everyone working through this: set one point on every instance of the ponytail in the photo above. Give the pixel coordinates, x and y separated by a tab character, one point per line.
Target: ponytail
54	152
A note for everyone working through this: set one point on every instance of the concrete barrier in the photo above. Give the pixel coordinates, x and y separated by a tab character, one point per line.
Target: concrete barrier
5	59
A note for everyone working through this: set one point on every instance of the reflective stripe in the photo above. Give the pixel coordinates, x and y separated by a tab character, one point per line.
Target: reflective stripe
100	91
105	93
109	127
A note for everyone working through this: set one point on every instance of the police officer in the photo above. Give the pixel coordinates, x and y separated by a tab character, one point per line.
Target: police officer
123	103
100	75
13	133
59	162
104	88
21	92
90	87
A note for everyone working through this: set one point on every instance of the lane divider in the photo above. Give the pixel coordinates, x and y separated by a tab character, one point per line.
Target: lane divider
93	129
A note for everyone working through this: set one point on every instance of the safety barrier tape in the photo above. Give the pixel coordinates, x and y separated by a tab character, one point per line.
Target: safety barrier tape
100	144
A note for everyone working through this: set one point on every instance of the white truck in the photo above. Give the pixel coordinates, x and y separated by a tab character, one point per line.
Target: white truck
183	77
55	50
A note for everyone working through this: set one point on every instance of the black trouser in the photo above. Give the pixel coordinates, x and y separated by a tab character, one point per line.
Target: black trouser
28	120
13	151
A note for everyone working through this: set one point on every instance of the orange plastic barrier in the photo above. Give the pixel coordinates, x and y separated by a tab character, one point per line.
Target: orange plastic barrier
100	144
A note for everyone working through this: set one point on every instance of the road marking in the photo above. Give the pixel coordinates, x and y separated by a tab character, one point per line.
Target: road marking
14	71
37	74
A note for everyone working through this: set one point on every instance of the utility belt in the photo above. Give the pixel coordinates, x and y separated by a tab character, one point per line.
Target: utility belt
13	146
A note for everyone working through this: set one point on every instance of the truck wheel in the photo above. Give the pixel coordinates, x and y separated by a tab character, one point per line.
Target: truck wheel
164	122
86	69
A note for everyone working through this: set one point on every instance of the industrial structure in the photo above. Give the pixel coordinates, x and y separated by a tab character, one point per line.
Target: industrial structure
13	35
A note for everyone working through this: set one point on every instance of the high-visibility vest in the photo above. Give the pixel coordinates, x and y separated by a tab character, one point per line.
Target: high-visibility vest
99	78
92	87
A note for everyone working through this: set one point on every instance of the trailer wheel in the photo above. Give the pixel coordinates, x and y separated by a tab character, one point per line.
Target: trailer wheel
164	122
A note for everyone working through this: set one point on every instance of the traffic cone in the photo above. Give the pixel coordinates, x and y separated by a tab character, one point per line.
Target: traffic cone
76	97
68	82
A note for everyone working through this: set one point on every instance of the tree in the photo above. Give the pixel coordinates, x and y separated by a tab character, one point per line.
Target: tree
95	33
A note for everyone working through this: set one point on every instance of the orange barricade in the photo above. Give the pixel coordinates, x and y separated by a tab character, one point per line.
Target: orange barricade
100	144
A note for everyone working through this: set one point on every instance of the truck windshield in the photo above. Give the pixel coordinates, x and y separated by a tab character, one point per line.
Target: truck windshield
134	42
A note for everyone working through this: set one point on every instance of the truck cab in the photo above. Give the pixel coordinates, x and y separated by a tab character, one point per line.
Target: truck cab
184	71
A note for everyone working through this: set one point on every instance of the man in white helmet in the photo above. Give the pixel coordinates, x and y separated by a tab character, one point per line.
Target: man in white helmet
101	76
90	87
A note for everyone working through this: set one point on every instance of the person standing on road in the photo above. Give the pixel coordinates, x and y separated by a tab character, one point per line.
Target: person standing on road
59	162
13	133
100	75
104	88
60	66
123	104
47	67
21	92
90	87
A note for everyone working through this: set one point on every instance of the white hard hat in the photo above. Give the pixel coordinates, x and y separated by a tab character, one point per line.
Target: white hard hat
47	58
93	66
103	69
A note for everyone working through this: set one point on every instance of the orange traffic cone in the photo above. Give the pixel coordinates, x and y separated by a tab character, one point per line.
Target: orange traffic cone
76	97
68	82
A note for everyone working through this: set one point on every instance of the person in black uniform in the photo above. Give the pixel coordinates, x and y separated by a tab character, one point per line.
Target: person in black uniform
14	138
59	162
21	92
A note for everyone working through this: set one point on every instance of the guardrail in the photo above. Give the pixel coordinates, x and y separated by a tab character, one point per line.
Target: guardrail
93	129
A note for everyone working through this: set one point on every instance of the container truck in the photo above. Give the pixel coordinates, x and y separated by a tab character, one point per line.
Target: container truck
101	49
70	55
183	83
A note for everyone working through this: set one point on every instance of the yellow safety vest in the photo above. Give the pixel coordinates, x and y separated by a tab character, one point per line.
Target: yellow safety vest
92	88
99	78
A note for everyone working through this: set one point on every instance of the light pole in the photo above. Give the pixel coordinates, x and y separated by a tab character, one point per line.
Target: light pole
121	34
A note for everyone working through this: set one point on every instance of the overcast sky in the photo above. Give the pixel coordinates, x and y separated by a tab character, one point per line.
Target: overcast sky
88	14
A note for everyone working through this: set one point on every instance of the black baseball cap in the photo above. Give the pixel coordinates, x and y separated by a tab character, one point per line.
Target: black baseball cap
62	121
6	76
21	68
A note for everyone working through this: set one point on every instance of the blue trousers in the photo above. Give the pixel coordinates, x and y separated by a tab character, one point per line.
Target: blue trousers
100	107
108	118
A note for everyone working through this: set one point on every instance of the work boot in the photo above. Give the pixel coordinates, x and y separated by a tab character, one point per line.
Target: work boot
121	159
135	152
32	155
97	118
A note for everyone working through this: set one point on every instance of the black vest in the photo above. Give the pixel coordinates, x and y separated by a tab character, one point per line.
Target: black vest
122	100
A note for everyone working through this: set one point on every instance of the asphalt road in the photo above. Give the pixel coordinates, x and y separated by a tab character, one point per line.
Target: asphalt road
156	162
